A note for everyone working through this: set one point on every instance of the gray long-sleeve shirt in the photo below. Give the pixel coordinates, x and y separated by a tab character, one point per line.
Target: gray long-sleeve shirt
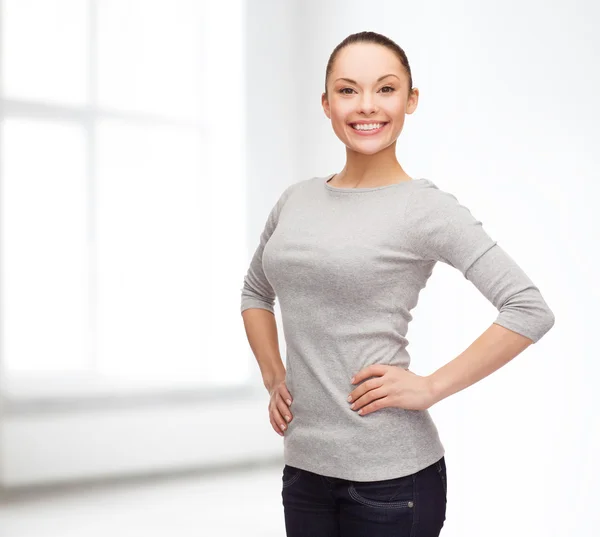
347	266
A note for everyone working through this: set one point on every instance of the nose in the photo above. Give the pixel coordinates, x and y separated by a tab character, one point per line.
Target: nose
367	105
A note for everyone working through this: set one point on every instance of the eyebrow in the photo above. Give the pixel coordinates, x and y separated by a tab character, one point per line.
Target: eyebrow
355	82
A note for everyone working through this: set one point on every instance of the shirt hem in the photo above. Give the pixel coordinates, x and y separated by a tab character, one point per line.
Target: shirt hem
403	467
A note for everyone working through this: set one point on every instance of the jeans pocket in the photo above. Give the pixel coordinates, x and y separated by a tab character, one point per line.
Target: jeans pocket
395	493
290	475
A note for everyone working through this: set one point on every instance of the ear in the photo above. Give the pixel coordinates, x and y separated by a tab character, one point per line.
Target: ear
413	101
325	104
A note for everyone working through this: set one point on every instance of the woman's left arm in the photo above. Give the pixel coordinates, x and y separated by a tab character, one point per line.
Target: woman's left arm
489	352
445	230
523	318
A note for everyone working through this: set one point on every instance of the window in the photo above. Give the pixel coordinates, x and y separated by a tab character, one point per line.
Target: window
121	176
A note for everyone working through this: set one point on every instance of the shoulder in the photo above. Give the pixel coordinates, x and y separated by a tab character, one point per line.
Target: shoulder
299	185
302	190
442	228
428	192
434	213
290	192
432	202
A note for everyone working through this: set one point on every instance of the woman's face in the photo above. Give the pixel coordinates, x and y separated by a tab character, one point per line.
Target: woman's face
366	98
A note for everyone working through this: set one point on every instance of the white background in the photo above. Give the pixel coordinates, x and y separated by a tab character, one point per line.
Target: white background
507	121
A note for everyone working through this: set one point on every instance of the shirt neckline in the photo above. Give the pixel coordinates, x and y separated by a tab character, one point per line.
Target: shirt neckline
365	189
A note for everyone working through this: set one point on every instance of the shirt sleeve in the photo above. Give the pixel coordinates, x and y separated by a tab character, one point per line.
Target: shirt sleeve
445	230
257	292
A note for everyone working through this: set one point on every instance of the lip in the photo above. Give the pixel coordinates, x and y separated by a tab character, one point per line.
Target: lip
369	133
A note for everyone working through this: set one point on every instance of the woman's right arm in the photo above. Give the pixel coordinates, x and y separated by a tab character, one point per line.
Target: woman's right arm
257	306
261	330
258	313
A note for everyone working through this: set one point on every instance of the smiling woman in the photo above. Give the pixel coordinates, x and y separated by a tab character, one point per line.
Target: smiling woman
347	255
367	110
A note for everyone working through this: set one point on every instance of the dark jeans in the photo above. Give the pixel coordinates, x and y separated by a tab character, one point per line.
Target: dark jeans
321	506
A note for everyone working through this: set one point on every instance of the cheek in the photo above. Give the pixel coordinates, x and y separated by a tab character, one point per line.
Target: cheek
339	117
395	109
340	112
339	123
339	129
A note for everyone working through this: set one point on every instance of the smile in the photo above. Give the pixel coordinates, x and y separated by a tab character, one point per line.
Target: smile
368	129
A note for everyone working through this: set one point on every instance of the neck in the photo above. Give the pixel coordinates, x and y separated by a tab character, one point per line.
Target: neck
365	171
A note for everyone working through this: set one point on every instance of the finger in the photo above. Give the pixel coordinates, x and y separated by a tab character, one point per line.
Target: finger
285	394
275	427
368	397
278	418
284	410
366	387
373	370
362	374
375	405
276	423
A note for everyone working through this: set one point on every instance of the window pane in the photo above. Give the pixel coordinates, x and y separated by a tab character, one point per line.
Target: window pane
45	50
154	257
149	56
43	246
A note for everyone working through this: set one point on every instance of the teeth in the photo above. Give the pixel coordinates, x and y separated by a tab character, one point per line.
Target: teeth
367	127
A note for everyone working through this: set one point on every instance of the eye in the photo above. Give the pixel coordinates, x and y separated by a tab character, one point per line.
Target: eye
342	91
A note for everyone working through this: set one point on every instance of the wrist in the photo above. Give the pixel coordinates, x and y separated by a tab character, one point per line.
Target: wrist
271	380
433	388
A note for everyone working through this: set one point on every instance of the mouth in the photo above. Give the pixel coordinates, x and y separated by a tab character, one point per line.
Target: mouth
367	129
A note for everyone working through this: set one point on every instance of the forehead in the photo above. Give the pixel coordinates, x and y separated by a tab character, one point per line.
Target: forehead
391	76
366	61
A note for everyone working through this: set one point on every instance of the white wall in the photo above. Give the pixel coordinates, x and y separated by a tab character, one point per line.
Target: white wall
507	121
117	435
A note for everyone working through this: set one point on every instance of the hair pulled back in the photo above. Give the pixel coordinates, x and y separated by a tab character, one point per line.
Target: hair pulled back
369	37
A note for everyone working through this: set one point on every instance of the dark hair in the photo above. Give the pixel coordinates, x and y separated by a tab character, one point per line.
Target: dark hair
369	37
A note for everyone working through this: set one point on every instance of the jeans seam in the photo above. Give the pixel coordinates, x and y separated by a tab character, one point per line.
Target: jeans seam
443	478
415	512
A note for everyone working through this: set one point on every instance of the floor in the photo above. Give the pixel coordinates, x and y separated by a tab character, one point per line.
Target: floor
239	503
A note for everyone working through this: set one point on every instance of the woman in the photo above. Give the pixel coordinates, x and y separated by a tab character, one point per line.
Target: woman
347	255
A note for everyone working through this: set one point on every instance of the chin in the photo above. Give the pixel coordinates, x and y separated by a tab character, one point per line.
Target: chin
367	152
